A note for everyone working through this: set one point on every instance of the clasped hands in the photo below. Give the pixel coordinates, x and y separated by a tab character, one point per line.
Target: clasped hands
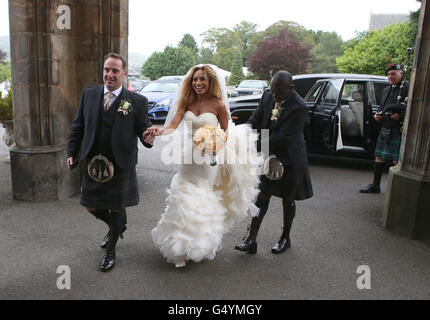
150	134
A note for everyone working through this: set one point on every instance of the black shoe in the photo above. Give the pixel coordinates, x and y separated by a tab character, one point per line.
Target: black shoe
282	245
107	238
371	189
108	261
249	246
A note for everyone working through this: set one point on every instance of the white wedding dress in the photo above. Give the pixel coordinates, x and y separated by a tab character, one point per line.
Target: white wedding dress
205	201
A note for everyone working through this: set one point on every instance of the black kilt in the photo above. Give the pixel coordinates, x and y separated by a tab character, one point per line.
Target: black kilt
118	193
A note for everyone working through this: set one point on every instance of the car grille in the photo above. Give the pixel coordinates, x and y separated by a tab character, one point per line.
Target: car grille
244	93
160	114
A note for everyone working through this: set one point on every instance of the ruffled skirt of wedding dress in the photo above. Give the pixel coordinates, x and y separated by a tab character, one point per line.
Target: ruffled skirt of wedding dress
204	202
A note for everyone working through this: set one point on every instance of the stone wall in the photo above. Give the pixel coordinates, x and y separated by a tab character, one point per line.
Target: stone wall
57	48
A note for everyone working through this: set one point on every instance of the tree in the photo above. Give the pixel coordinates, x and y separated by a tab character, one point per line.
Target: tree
329	46
225	44
189	42
5	71
206	56
3	57
236	71
377	49
281	52
301	34
245	30
172	61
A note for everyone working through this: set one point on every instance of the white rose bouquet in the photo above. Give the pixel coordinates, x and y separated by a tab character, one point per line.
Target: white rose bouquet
209	140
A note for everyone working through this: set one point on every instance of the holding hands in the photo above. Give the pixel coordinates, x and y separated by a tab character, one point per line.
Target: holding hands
150	134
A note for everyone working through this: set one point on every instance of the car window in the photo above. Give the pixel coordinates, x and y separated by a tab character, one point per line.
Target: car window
331	92
379	87
314	93
251	84
161	87
350	88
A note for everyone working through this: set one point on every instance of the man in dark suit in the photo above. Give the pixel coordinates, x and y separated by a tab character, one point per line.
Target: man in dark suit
391	114
284	113
105	130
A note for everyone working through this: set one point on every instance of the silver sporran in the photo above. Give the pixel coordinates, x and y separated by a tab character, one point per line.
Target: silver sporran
273	168
100	169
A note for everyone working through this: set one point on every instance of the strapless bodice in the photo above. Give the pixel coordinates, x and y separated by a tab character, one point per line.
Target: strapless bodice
206	118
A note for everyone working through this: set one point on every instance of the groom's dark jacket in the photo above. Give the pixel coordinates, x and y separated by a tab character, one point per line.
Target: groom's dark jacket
287	143
126	128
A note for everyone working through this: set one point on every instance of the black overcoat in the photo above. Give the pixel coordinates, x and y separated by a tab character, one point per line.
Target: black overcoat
286	141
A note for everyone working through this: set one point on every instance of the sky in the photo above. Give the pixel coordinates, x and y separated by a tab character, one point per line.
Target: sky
153	24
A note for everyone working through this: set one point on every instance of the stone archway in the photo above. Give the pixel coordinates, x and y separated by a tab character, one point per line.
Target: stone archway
57	48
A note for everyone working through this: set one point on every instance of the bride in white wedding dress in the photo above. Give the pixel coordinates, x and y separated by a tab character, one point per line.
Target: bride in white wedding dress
205	201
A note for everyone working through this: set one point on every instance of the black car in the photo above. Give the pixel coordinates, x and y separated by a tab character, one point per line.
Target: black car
341	109
242	107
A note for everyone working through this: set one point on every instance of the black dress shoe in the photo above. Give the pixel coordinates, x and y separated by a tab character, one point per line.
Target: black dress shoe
107	262
282	245
107	238
248	247
371	189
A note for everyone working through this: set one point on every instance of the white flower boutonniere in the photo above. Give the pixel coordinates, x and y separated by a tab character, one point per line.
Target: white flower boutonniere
276	112
125	107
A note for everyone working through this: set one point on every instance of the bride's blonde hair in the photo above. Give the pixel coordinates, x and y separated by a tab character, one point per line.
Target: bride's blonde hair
188	96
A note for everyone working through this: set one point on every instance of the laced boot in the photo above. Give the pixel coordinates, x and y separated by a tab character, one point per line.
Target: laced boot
289	213
108	236
250	244
116	220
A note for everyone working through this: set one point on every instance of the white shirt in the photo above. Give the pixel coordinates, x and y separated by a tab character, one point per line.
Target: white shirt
116	93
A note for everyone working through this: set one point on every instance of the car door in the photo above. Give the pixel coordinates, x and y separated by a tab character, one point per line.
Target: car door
326	118
375	89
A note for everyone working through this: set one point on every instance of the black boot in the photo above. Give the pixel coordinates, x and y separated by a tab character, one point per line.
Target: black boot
107	237
116	220
374	187
250	244
289	213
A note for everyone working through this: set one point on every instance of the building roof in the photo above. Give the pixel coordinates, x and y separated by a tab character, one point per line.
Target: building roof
380	21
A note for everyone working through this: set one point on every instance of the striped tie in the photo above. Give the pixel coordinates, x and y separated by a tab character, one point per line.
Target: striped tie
110	95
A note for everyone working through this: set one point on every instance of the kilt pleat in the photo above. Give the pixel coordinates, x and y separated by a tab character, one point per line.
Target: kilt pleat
389	151
117	194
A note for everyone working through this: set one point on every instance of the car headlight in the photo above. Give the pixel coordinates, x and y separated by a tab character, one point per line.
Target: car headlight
163	104
256	92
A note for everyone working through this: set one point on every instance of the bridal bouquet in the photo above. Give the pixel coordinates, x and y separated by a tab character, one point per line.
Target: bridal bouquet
210	140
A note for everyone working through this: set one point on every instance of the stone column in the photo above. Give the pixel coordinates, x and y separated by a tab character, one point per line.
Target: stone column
57	48
407	202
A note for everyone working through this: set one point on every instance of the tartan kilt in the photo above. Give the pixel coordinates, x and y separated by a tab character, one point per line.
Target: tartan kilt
389	151
117	194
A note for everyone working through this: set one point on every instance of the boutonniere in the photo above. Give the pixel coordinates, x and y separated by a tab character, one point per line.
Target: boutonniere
125	107
276	112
